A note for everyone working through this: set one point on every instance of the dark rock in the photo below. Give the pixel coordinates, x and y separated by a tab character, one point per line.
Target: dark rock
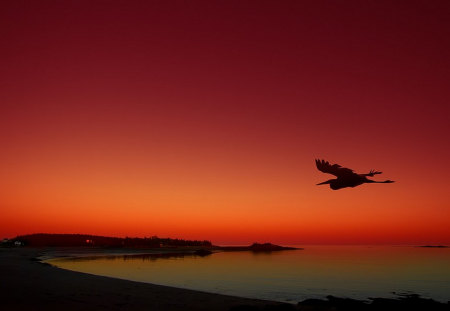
202	252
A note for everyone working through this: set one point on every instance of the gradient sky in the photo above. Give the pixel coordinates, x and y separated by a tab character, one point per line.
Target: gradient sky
202	119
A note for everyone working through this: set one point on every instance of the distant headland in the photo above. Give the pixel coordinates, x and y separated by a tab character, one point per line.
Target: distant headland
203	247
86	240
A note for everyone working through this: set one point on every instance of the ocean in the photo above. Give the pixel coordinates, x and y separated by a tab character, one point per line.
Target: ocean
356	272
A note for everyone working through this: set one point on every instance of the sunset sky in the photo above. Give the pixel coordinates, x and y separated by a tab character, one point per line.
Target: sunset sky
202	119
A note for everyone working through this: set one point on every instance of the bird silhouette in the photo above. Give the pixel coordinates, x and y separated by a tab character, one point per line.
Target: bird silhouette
345	176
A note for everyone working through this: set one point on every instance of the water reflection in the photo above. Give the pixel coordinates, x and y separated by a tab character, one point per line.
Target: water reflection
356	272
128	257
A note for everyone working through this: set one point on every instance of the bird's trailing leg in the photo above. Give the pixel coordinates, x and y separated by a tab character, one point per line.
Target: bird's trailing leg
372	173
380	182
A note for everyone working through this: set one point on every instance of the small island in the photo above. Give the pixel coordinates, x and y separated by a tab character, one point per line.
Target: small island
433	246
258	247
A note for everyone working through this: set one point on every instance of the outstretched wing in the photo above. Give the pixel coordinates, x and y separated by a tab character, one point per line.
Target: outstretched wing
335	169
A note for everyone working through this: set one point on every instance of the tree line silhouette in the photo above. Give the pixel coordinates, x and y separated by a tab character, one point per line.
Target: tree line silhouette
53	240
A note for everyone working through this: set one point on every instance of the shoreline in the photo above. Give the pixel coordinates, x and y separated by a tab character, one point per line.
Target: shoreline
28	284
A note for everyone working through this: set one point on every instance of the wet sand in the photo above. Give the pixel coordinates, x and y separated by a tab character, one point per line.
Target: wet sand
28	284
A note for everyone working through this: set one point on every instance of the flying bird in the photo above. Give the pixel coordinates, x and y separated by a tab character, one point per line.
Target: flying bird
345	176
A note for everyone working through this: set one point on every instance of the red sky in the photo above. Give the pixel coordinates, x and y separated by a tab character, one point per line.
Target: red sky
202	119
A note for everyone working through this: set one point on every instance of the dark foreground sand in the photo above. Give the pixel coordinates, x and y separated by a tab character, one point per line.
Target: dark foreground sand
27	284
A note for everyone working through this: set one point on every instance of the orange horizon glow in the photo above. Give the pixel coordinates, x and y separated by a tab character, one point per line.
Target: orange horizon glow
203	121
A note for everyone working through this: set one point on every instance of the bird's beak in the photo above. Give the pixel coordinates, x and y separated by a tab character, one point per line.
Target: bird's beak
323	183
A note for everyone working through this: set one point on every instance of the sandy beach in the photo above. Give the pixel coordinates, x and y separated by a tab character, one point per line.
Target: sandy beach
27	284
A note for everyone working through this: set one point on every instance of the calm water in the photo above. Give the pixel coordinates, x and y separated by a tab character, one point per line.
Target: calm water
346	271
